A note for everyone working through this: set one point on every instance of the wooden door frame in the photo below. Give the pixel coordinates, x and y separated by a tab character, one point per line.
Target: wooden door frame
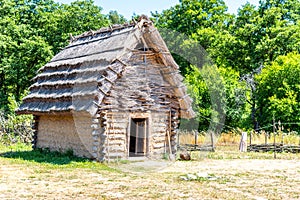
145	116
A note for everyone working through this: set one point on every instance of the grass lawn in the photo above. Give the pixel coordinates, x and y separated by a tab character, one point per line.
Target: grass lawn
224	174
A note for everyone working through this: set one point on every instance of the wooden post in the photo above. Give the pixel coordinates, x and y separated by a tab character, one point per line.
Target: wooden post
107	134
171	157
274	137
212	141
113	132
178	140
250	142
266	138
196	138
136	138
243	142
145	137
128	136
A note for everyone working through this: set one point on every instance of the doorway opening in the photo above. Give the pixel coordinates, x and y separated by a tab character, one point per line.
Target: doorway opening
139	137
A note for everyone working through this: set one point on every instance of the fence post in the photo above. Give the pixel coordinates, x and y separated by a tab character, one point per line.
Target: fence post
250	143
266	138
196	138
243	142
212	141
274	137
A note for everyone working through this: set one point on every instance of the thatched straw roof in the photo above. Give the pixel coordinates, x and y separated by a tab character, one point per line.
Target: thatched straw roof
76	79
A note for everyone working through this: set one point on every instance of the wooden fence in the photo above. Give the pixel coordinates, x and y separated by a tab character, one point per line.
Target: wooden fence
193	142
274	142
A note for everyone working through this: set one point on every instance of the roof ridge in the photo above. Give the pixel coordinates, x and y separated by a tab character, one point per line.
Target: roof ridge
111	28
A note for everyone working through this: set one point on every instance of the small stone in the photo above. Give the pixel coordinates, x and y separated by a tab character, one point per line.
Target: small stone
94	155
185	156
95	126
95	121
184	178
95	132
191	177
96	143
94	148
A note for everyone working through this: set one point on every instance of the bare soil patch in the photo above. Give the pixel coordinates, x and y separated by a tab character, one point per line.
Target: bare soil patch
235	179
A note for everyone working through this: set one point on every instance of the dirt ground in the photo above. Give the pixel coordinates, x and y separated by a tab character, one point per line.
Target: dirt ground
217	179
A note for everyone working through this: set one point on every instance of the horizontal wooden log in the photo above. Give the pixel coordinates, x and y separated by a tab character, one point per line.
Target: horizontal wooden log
158	145
115	148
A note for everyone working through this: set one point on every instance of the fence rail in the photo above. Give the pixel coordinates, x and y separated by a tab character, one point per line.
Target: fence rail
271	147
194	147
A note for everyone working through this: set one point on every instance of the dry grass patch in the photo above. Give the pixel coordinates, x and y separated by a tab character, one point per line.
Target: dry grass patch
225	174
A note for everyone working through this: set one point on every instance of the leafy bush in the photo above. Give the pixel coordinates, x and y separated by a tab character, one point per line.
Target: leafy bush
15	128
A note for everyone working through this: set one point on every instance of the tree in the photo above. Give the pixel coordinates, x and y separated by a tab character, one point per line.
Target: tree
278	92
191	15
265	33
31	32
236	110
22	52
115	18
238	45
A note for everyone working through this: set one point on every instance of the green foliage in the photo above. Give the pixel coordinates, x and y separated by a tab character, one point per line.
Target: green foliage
278	92
115	18
217	92
15	128
191	15
264	33
31	32
198	90
237	110
237	45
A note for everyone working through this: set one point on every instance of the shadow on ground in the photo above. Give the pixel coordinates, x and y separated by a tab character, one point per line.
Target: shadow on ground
44	156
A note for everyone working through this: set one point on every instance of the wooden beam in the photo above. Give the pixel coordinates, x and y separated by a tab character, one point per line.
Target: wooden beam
109	67
102	91
111	82
122	62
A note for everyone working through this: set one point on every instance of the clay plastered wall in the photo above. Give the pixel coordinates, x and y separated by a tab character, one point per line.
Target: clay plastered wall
61	133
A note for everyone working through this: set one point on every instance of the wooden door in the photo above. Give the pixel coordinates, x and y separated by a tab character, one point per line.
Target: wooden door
138	140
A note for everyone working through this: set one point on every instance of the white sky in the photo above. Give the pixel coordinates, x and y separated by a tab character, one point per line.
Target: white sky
128	7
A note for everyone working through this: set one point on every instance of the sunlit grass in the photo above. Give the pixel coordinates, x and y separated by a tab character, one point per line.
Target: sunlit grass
20	153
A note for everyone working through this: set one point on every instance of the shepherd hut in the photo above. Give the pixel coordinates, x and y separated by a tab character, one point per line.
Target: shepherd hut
111	93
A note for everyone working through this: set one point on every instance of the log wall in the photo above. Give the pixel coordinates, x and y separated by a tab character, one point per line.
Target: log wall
116	126
141	88
116	132
158	139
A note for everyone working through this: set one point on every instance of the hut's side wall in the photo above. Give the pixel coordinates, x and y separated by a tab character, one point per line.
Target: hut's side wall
62	133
